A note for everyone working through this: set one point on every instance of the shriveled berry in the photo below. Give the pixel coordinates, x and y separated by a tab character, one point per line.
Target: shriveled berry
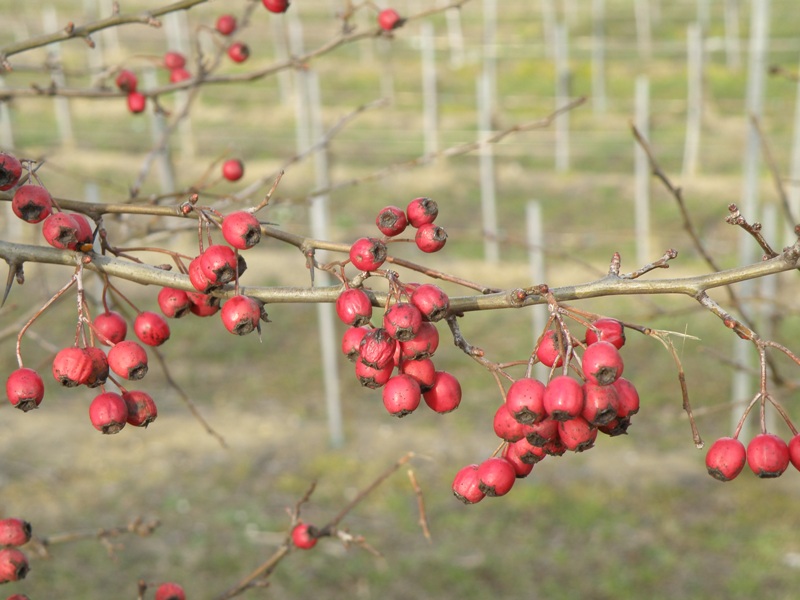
242	314
151	328
391	221
606	330
226	24
174	303
13	565
525	400
767	455
577	434
170	591
423	344
304	536
421	211
60	230
32	203
377	348
239	52
126	81
354	307
233	169
725	458
431	301
402	321
110	327
276	6
367	254
14	532
445	395
142	409
401	395
423	370
10	171
602	363
128	360
563	398
496	476
466	485
241	229
72	366
430	238
108	412
25	389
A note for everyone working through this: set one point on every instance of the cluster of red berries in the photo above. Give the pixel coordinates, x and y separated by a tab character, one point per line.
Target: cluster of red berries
128	82
767	455
13	562
538	420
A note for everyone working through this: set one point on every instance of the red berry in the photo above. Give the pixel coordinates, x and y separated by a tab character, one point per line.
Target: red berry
794	451
628	398
563	398
85	235
32	203
108	412
174	303
549	351
241	229
276	6
496	476
137	102
423	345
72	366
128	360
197	276
304	536
600	403
226	24
618	426
422	370
466	485
351	340
577	434
242	314
506	427
421	211
527	452
521	468
174	60
391	221
99	366
602	363
178	75
525	400
767	455
13	565
203	305
60	230
10	171
607	330
354	307
25	389
402	321
233	169
14	532
151	328
126	81
377	348
239	52
170	591
725	458
367	254
401	395
142	409
389	19
110	327
542	432
219	264
430	238
431	301
445	395
371	377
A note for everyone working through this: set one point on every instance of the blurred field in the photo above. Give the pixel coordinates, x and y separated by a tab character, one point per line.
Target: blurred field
633	518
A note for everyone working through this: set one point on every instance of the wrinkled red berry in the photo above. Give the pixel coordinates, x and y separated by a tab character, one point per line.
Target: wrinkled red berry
25	389
423	344
142	409
351	340
402	321
367	254
377	348
354	307
391	221
607	330
72	366
60	230
431	301
32	203
371	377
10	171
